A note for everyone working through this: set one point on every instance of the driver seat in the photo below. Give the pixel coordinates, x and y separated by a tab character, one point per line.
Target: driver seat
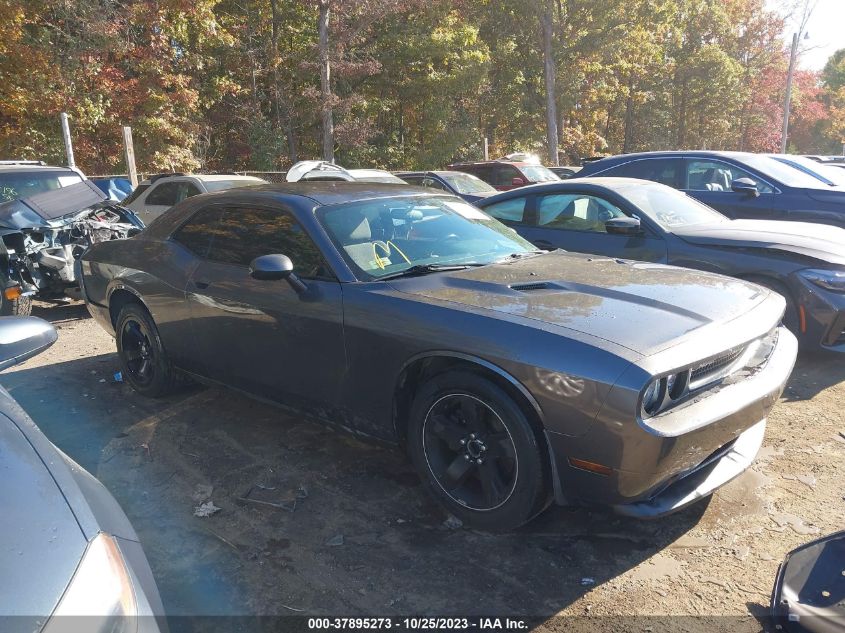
355	235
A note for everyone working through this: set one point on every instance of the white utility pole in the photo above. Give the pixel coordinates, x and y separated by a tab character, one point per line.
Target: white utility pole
68	143
129	151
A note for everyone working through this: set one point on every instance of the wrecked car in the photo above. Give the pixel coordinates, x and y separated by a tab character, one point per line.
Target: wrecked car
323	170
42	236
513	377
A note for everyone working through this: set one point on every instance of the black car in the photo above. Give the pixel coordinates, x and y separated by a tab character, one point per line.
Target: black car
470	188
739	184
635	219
513	377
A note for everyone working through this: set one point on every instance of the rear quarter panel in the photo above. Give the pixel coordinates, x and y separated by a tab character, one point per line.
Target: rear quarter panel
156	272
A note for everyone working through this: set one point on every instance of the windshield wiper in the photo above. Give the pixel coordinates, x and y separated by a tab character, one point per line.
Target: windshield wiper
425	269
522	255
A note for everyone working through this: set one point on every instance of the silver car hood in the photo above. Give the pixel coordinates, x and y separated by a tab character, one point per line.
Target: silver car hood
42	542
818	241
640	306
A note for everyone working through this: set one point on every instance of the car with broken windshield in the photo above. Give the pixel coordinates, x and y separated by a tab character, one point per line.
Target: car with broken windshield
512	377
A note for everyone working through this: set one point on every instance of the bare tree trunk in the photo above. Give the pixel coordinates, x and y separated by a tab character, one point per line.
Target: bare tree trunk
629	119
325	82
547	24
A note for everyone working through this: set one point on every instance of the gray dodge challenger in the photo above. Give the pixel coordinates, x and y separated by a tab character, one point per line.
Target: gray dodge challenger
512	377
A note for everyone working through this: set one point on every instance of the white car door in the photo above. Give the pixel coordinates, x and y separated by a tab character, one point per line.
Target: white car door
161	196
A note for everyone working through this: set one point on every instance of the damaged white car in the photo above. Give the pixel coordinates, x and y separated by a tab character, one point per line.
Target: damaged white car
42	236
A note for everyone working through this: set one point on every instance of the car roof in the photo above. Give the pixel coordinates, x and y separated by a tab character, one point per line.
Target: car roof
670	154
436	172
600	183
32	167
328	192
515	163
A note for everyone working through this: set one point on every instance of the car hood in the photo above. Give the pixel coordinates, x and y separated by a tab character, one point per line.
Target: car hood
477	195
819	241
42	541
640	306
832	195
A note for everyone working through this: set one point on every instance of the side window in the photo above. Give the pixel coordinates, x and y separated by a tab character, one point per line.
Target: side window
503	175
433	184
413	180
707	175
509	211
576	212
195	234
244	234
187	190
485	172
132	197
662	170
166	194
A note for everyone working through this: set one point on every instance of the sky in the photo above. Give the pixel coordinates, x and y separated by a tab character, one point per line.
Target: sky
826	30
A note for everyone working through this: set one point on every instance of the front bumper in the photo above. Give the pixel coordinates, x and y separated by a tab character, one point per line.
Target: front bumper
685	455
824	315
704	480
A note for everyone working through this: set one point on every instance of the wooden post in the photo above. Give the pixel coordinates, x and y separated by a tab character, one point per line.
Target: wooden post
129	149
68	143
486	149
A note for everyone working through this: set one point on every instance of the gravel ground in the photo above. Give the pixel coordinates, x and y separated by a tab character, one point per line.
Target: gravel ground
312	521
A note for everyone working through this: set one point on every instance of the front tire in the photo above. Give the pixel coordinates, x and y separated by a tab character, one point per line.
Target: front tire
143	359
477	451
22	306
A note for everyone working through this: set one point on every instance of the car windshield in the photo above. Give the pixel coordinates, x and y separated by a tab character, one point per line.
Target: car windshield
789	176
825	173
467	183
386	236
669	207
233	183
538	173
15	185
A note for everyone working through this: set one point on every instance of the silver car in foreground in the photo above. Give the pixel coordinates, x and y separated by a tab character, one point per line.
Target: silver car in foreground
68	548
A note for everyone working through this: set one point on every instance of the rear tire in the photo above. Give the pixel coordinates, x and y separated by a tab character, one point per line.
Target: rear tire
477	452
143	360
22	306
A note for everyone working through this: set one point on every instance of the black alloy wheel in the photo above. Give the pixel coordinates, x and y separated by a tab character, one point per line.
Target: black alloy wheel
478	451
470	452
144	362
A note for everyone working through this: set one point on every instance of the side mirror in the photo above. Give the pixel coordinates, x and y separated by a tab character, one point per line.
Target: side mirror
517	182
745	186
274	268
22	338
623	226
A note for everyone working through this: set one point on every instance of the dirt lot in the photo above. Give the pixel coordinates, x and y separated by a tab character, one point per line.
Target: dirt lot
357	534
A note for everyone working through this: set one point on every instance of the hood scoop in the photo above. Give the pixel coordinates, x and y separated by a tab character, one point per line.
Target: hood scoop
534	286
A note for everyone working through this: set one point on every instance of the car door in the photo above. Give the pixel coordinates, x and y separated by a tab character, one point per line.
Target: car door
263	336
575	221
163	195
710	180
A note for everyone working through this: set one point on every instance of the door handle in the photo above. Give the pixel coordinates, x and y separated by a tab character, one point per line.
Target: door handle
202	285
545	245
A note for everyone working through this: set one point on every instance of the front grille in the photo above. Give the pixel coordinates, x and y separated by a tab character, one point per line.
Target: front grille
714	368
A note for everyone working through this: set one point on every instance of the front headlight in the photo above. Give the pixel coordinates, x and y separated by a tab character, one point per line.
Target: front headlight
100	589
662	392
833	280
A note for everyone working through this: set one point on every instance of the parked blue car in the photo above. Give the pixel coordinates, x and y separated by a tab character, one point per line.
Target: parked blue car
739	184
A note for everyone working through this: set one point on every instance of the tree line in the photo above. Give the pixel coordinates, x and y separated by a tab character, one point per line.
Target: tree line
260	84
